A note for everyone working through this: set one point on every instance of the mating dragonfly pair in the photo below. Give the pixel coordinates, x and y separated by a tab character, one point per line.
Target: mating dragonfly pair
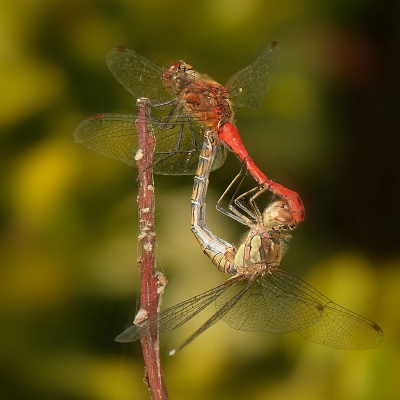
259	296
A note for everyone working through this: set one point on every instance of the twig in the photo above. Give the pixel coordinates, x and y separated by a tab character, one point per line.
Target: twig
152	283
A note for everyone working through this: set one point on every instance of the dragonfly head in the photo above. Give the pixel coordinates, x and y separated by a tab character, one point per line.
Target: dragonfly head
277	214
173	74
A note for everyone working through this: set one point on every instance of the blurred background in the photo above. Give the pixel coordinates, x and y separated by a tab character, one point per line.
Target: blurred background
329	129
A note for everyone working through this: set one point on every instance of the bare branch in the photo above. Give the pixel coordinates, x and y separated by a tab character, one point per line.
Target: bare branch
152	283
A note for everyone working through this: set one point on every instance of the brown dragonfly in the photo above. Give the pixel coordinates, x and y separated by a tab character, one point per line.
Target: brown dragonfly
259	296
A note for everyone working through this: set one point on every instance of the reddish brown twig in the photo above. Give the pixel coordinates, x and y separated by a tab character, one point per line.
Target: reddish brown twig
151	282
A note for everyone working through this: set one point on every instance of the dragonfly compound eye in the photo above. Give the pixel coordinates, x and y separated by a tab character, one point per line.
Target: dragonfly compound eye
276	214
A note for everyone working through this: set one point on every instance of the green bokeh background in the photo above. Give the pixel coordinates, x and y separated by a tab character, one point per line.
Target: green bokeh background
329	129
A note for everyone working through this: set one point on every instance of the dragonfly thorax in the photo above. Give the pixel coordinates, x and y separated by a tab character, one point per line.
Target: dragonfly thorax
208	103
201	96
262	249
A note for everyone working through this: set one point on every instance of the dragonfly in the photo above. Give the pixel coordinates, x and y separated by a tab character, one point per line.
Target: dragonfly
193	104
258	296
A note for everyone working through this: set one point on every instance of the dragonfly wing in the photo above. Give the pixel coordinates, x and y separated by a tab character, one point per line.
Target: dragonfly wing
256	311
279	302
139	76
316	317
178	143
248	87
178	147
111	135
174	317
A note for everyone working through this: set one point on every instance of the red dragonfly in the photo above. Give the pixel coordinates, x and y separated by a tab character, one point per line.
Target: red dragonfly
195	103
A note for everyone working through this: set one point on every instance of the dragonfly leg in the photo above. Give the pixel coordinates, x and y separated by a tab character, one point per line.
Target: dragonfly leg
230	210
